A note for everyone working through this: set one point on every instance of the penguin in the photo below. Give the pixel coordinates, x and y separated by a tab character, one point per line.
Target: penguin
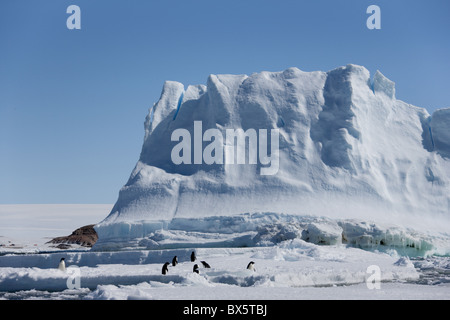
205	264
195	269
174	261
62	265
193	257
251	266
165	268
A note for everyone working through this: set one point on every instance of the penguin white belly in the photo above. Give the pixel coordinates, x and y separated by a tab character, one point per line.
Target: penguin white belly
62	266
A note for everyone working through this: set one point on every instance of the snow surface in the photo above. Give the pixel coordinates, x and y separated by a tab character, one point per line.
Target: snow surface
287	265
294	269
349	151
26	228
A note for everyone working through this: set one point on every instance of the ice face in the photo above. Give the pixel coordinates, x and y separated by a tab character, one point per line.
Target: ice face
347	149
381	84
336	120
440	131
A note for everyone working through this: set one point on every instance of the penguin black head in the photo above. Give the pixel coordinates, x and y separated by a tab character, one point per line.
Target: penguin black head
62	259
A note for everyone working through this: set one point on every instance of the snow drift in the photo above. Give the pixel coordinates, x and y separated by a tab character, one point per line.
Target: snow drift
347	149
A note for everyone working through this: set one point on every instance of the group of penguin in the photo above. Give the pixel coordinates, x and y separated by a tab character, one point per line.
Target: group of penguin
165	268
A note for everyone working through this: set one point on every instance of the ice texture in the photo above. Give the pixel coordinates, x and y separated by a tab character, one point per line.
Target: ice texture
440	129
348	149
381	84
293	263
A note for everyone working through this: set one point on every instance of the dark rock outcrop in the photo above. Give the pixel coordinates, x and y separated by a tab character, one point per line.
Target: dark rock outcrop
85	236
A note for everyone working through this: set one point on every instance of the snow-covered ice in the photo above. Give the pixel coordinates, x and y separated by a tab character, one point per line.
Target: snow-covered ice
287	267
293	269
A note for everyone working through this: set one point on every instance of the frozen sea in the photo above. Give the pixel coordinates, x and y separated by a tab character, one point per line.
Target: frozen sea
289	270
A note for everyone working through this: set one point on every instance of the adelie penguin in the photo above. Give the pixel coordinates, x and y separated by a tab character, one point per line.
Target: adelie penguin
174	261
165	268
195	269
205	264
62	265
251	266
193	257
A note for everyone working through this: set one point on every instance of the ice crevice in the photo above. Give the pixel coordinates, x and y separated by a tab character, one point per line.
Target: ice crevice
180	101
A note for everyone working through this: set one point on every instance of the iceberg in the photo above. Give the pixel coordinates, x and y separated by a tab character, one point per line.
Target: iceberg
345	148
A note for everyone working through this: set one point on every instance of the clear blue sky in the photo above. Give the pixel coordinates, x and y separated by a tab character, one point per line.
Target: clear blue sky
73	102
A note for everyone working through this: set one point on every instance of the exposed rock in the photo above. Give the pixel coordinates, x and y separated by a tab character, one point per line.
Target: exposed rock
85	236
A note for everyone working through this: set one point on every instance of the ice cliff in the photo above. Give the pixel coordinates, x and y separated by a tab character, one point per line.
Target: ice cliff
347	149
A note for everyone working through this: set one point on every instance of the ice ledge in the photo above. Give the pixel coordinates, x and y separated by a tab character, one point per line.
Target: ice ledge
381	84
440	131
167	105
267	229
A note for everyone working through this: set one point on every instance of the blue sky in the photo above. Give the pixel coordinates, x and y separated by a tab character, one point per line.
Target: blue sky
73	102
